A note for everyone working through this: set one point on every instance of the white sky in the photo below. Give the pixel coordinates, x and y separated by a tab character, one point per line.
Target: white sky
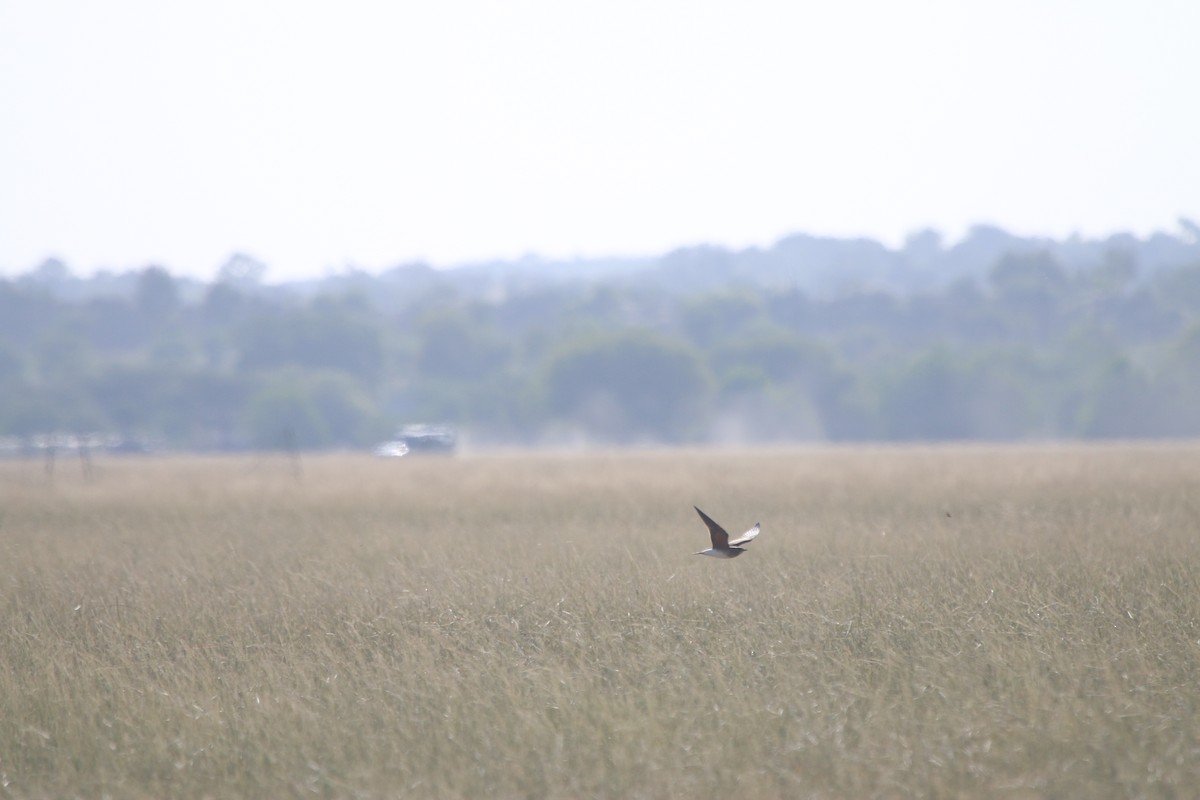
316	136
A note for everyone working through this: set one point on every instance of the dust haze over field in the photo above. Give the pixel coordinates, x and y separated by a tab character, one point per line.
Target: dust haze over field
936	622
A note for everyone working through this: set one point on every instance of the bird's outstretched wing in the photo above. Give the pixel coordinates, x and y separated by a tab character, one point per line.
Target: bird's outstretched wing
720	539
747	536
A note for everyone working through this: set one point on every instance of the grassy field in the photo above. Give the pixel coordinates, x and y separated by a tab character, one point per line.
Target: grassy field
945	622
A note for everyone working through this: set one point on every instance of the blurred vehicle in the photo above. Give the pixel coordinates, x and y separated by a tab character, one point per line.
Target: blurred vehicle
391	450
415	439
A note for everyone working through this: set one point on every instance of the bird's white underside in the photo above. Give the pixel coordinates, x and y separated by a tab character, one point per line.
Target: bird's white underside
719	553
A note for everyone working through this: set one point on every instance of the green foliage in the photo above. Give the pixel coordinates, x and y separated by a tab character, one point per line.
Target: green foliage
282	415
779	356
706	345
157	294
134	397
12	364
63	358
1179	290
717	317
222	304
930	399
25	313
1179	384
310	410
325	336
30	409
628	386
1123	405
206	409
457	347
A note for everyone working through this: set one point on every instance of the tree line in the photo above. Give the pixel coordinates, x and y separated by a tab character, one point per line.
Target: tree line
812	340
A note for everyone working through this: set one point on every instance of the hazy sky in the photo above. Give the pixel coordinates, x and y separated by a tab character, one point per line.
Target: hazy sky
317	136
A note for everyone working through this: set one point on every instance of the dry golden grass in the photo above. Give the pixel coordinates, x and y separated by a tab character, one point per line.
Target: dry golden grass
537	626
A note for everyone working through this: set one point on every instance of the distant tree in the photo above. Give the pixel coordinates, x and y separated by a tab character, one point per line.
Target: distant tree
606	305
862	310
28	410
1000	403
241	272
347	413
1027	275
1190	229
111	323
157	294
267	340
12	365
996	336
710	318
922	247
52	272
777	385
1178	385
343	339
1122	404
63	358
283	414
1115	272
1031	289
1144	315
27	312
630	385
222	304
703	268
315	409
928	400
222	315
203	409
792	309
982	247
780	356
1177	291
319	338
133	399
455	346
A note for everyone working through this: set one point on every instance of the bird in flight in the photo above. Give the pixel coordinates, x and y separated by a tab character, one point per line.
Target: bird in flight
721	546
